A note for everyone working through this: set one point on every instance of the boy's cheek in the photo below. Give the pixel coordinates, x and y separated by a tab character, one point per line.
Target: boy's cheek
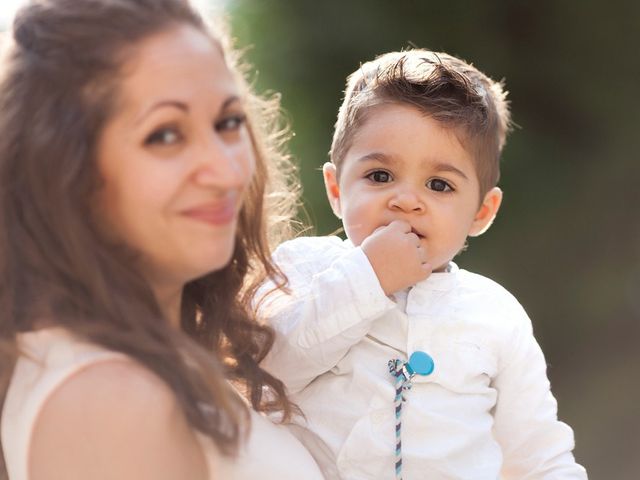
355	232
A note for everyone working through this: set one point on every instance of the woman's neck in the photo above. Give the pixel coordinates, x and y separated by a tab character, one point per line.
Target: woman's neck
170	300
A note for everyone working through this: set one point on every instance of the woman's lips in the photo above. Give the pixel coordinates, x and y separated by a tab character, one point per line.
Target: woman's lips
220	213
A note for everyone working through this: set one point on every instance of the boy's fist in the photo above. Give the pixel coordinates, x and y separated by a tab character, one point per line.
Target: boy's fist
397	257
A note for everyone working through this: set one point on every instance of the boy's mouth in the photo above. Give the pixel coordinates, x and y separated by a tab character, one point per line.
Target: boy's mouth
420	236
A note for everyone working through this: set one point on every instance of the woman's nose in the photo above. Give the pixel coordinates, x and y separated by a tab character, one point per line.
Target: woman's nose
224	166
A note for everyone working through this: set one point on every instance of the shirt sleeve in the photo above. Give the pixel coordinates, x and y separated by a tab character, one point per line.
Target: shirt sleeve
334	296
535	444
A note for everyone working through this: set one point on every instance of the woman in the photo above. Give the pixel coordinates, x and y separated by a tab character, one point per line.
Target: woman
133	174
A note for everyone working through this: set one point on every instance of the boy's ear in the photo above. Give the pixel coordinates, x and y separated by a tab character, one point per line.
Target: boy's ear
487	212
331	185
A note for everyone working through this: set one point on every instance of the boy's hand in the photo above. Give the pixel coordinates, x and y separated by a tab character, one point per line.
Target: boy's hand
397	257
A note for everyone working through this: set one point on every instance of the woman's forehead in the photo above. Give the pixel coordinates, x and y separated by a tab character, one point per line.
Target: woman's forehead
181	64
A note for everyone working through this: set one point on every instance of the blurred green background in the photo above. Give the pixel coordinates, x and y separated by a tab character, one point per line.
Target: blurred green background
566	242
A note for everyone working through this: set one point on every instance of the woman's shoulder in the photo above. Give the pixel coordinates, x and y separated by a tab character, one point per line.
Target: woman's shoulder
70	402
80	410
112	380
114	416
127	411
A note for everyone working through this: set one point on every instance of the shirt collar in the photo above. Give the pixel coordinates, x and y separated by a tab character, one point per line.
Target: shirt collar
440	281
437	281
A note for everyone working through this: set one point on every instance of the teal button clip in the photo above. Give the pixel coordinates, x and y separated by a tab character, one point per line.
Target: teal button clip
420	363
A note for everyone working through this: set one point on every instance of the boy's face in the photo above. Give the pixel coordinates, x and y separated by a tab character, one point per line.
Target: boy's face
403	165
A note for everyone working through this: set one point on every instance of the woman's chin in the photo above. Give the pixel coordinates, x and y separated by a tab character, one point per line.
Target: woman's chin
212	264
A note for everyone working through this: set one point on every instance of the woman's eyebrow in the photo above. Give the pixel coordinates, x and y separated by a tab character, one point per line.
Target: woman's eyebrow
229	101
182	106
163	103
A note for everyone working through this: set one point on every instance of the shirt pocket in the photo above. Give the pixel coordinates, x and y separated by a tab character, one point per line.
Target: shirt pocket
368	451
460	366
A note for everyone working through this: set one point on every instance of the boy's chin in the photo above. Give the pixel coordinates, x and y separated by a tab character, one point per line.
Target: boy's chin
442	268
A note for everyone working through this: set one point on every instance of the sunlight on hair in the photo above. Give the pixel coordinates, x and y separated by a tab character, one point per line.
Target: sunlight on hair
207	8
8	8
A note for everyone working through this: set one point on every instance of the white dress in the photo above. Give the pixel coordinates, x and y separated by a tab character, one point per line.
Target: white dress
51	356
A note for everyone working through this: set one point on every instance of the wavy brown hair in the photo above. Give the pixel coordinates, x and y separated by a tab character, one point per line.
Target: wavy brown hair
58	88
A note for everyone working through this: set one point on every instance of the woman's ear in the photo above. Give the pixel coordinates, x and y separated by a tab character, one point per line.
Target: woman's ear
331	185
487	212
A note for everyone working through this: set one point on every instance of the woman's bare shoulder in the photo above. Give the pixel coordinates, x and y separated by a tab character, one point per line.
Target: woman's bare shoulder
114	419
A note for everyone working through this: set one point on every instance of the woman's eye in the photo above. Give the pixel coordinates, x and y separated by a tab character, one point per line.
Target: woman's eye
163	136
230	123
379	176
439	185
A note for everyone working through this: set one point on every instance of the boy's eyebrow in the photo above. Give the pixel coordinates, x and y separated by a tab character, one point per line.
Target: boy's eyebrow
377	157
447	167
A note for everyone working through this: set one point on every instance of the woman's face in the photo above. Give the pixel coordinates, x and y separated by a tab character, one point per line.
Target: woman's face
176	158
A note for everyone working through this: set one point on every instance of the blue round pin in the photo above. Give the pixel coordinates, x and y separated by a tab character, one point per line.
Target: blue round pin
421	363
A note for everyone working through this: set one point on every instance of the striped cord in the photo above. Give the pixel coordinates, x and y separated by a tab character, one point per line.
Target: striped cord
402	377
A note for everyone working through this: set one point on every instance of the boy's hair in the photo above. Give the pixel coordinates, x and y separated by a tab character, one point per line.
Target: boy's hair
444	88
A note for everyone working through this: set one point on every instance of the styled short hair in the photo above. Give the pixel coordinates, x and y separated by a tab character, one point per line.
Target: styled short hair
443	87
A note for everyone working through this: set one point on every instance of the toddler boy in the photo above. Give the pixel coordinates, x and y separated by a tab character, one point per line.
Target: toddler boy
413	173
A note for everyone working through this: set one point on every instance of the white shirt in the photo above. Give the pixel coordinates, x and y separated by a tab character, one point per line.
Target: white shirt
486	411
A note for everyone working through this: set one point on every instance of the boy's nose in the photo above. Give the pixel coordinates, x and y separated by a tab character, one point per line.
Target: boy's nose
407	201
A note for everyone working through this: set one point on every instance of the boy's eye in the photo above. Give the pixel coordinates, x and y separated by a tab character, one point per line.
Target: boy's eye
379	176
230	123
164	136
439	185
